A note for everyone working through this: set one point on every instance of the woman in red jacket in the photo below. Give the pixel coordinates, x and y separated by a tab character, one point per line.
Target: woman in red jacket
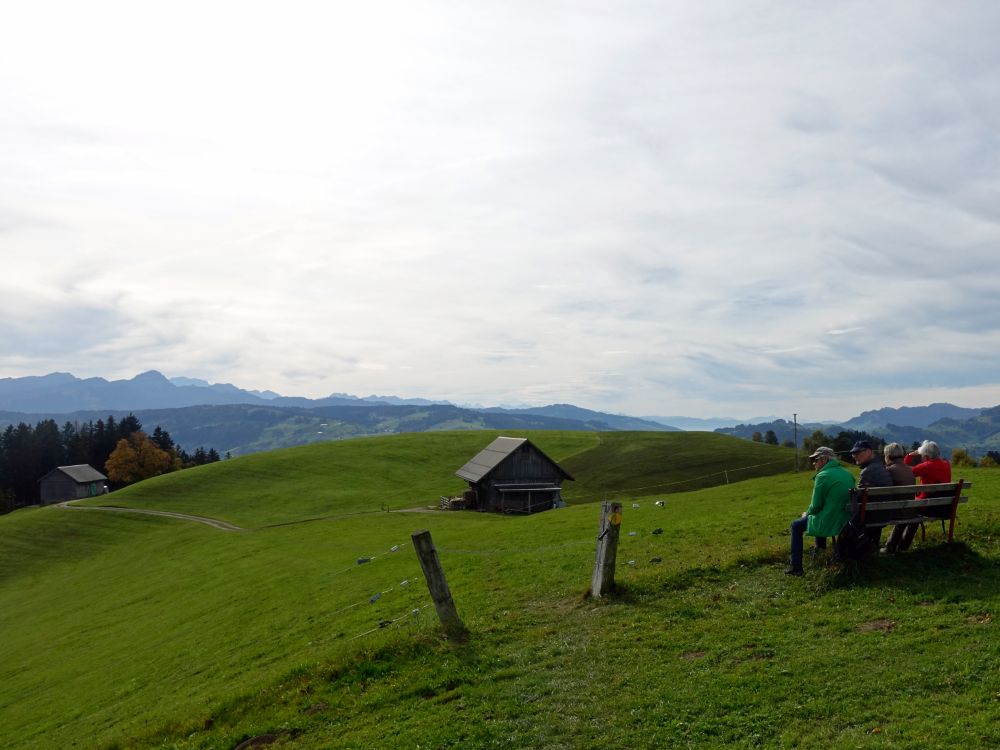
929	468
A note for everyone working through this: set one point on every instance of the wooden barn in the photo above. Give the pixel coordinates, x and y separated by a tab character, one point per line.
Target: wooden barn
511	475
72	483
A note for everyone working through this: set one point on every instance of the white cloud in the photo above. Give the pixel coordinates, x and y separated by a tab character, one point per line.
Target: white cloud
653	208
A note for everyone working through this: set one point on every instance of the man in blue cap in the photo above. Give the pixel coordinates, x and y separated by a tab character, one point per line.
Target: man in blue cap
873	474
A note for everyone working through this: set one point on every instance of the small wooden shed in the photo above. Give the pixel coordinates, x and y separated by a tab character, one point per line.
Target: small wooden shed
512	475
72	483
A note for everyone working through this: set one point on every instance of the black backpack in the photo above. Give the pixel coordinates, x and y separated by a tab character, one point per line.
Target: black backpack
853	543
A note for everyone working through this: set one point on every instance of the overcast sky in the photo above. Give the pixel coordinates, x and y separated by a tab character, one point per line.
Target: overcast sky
711	209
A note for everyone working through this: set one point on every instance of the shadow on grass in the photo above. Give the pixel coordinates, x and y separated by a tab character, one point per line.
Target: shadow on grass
939	571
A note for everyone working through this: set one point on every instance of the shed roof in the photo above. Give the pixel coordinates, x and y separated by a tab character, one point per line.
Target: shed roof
81	473
493	455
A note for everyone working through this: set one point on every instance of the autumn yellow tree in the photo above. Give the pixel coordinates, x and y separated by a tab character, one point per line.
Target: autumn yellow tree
136	458
961	457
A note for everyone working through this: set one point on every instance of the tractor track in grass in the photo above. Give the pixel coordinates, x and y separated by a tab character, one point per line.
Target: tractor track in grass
215	523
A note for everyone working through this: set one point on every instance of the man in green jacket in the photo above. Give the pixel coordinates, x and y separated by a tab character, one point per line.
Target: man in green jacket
826	514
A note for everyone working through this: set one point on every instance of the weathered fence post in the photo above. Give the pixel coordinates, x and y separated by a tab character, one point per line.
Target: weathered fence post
607	550
437	585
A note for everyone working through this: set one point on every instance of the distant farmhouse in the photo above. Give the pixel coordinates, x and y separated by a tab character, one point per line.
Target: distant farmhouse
72	483
511	475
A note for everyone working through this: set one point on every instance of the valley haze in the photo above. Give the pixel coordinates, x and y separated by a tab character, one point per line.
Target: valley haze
236	421
63	392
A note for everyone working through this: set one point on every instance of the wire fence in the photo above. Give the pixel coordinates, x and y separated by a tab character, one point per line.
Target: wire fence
726	476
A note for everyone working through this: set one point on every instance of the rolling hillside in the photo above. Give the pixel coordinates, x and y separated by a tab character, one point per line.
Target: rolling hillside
407	471
128	631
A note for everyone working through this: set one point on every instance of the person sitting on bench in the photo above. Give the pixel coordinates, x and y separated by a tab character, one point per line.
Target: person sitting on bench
873	474
826	514
902	476
928	466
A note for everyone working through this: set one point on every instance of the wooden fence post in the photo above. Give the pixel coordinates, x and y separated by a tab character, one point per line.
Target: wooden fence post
437	585
607	550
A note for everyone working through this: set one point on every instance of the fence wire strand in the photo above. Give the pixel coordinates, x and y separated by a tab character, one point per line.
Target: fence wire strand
634	490
389	623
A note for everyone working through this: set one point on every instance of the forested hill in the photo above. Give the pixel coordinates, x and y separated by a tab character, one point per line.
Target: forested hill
975	430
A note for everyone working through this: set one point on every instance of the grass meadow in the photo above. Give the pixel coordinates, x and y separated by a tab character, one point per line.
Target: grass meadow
128	631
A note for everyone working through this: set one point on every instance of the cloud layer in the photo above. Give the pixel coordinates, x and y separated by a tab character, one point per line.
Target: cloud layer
751	208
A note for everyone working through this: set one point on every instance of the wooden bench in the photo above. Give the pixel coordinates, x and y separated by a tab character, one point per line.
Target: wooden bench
898	506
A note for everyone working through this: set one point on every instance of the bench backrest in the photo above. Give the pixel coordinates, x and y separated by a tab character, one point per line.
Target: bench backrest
889	498
884	504
879	506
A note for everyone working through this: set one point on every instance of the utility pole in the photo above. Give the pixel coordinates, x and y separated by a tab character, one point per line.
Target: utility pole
795	432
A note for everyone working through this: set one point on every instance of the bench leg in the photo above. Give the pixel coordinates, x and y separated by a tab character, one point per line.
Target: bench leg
954	510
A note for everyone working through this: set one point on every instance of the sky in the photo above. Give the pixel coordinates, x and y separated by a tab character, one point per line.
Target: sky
654	208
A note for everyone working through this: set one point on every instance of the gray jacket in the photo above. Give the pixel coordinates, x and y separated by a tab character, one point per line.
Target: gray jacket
874	474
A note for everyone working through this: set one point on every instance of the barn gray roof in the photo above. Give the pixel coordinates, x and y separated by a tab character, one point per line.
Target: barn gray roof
493	455
82	473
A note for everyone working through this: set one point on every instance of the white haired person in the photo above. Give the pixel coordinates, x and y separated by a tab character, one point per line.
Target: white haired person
929	468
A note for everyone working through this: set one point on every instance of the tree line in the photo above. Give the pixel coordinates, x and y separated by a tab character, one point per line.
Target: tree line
844	441
118	448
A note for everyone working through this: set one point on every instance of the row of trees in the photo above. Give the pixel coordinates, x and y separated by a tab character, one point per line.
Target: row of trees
771	438
843	442
119	448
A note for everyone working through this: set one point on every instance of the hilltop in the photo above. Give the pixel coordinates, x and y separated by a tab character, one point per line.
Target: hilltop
152	632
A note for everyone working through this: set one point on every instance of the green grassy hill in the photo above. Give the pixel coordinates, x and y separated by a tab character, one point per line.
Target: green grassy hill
414	470
122	631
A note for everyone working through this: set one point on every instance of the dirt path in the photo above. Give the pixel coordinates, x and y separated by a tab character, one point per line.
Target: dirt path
215	523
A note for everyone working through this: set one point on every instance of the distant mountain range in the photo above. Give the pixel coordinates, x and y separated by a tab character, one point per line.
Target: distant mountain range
63	393
911	416
248	428
227	418
950	426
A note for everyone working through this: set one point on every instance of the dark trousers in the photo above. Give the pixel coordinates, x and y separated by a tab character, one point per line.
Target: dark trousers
798	530
902	537
874	534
